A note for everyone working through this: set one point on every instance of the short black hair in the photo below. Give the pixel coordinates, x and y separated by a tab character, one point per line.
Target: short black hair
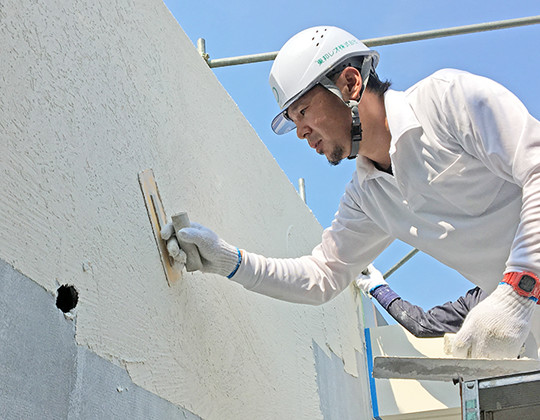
375	84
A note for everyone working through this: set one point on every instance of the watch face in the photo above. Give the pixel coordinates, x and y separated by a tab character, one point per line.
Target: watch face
527	283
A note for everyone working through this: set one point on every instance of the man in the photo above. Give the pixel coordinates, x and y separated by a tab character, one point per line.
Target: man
449	166
436	322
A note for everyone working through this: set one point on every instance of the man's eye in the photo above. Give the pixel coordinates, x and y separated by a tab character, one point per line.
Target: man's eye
303	111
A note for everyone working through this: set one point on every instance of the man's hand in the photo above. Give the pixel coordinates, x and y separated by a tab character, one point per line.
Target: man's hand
370	280
217	256
497	327
173	248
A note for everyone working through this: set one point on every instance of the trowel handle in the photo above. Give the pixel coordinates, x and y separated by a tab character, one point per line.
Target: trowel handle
193	263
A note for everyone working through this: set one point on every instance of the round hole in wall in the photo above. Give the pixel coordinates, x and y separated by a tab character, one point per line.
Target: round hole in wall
67	298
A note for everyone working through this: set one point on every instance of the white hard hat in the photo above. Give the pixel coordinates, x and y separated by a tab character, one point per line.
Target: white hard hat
305	60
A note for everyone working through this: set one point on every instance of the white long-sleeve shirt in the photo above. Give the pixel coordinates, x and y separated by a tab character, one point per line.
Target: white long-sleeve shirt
465	189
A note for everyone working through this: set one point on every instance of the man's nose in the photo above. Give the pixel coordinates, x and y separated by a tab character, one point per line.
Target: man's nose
302	131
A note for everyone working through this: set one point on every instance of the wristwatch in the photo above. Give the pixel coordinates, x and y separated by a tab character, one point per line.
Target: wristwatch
524	283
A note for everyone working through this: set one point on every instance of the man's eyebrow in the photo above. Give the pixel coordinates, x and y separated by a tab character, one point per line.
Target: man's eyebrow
297	104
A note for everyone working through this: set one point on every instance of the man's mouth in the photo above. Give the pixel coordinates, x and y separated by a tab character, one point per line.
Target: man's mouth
318	147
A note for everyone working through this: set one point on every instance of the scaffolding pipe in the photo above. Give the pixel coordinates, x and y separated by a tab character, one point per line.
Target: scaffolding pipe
201	48
302	189
393	39
400	263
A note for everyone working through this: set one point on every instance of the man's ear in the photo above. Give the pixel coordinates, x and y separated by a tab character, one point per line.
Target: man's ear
349	83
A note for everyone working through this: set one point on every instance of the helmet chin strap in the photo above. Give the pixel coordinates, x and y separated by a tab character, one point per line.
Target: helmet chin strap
356	129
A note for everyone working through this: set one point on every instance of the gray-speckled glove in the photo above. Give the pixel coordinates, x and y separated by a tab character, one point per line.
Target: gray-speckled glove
497	327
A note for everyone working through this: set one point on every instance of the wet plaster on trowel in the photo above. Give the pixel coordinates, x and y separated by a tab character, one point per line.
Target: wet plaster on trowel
97	103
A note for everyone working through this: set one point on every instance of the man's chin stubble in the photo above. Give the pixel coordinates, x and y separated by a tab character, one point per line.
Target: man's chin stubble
336	157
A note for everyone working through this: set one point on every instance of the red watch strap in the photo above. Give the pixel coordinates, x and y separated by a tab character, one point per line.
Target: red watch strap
514	278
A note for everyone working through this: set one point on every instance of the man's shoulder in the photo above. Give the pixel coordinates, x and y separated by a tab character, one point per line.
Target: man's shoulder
449	74
446	88
442	77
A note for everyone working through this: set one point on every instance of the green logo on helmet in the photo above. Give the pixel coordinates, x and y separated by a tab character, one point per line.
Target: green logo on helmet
336	50
276	94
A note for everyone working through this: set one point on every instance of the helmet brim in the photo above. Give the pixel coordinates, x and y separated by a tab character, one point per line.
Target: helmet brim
281	124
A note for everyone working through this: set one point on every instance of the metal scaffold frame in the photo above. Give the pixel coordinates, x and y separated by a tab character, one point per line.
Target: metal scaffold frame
375	42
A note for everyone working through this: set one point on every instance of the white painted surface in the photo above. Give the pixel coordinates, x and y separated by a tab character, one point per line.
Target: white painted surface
94	92
405	398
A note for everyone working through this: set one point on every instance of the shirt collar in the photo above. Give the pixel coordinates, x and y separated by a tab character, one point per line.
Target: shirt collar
365	169
401	118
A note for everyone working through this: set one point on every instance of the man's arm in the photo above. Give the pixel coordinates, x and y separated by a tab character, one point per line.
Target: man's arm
437	321
434	323
491	124
347	246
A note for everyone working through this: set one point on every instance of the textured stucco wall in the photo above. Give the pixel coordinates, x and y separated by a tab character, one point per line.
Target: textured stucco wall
92	92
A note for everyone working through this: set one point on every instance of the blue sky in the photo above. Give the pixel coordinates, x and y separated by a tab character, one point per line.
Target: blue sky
233	28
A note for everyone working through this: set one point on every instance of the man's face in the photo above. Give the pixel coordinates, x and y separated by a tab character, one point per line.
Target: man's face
324	121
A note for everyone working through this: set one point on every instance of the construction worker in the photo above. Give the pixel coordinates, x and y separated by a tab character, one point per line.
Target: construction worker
449	166
435	322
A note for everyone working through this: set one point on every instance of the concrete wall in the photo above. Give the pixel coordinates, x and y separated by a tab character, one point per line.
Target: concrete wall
92	92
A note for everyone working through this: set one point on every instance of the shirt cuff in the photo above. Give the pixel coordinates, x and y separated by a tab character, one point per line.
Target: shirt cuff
384	295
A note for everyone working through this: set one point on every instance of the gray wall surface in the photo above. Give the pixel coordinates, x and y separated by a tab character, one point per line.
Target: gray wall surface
45	375
338	391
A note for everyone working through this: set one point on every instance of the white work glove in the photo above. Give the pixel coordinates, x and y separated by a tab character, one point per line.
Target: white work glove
217	256
173	248
497	327
371	280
